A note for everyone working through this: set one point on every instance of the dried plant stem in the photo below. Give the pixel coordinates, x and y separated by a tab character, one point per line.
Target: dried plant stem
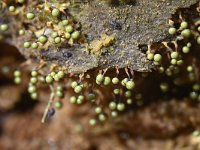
44	118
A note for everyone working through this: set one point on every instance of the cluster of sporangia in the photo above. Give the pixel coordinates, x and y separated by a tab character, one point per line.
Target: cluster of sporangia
179	61
169	59
58	27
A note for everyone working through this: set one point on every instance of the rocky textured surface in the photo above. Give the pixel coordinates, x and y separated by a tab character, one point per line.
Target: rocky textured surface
133	27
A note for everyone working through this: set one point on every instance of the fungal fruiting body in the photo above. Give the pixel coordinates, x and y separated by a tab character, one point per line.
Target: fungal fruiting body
112	71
